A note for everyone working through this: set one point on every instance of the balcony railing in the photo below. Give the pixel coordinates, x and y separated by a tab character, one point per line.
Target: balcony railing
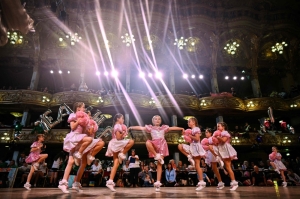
28	97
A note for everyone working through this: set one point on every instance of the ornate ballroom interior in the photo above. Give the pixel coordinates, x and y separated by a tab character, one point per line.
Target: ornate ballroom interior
174	58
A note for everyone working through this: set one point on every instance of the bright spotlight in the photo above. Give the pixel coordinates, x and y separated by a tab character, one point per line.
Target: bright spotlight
242	78
69	72
106	73
226	77
142	74
185	76
243	71
234	77
114	73
158	74
150	75
51	71
201	76
60	72
193	76
97	73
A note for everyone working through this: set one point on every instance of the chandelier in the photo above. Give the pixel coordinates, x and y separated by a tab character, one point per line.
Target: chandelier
279	47
231	47
72	38
127	39
180	43
15	37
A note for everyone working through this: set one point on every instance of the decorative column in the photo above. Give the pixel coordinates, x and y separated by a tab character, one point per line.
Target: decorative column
82	85
128	79
25	117
219	119
253	64
215	47
126	119
36	74
172	80
174	120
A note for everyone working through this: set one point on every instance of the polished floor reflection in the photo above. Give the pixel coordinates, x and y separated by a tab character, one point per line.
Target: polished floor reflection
166	192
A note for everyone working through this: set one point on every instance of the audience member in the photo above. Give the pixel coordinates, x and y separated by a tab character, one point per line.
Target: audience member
170	174
96	172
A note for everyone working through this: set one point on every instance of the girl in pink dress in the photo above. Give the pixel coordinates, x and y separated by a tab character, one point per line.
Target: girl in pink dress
117	147
35	157
210	144
157	147
76	140
275	161
194	151
89	156
226	151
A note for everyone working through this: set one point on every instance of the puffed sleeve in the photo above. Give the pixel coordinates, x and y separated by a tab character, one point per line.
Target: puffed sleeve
165	128
72	118
117	127
35	144
225	134
196	130
148	128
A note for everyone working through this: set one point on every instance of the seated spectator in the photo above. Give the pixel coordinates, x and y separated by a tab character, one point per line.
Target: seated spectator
293	177
142	177
170	174
96	172
152	167
126	174
258	177
22	158
245	165
172	162
12	164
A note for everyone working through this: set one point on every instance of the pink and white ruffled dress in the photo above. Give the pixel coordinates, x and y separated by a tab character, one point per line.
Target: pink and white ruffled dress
206	142
195	148
92	124
158	139
34	155
74	137
115	145
226	150
278	163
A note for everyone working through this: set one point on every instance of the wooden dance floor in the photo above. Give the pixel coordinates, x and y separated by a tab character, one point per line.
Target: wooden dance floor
166	192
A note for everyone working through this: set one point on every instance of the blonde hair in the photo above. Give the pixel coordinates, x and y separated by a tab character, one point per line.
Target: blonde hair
155	117
195	120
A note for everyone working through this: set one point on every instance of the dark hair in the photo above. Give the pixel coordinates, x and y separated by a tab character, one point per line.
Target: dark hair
60	155
39	135
195	120
209	130
224	125
117	116
76	105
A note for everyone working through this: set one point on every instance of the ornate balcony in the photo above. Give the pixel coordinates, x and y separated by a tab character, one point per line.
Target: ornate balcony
28	97
57	136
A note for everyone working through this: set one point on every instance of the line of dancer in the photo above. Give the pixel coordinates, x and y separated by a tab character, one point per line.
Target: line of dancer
82	148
